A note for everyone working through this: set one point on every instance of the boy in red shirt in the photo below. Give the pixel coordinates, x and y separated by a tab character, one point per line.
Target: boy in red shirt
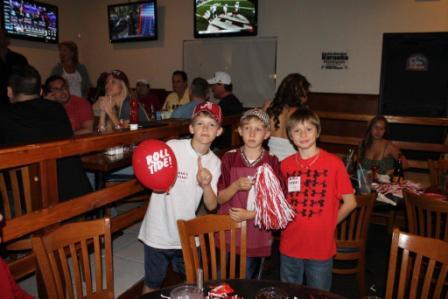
316	182
238	167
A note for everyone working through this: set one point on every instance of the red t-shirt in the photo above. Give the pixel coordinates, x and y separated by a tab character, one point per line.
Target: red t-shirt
323	181
234	166
78	110
8	287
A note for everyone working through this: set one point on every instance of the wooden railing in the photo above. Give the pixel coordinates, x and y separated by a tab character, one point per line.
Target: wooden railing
44	155
354	141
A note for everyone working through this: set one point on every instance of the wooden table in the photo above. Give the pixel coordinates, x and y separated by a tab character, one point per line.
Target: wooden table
248	288
100	164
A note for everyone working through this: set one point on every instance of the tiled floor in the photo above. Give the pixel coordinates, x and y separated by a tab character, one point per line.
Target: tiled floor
127	258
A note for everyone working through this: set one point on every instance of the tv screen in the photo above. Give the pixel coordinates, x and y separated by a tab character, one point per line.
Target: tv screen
213	18
134	21
30	20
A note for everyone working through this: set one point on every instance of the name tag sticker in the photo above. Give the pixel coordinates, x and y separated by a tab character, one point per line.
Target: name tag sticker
294	184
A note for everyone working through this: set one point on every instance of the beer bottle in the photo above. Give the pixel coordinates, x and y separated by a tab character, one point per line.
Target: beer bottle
133	114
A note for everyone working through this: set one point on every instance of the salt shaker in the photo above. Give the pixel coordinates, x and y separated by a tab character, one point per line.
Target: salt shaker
200	279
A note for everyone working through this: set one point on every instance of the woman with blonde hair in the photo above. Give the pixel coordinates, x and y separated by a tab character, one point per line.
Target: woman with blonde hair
113	109
73	72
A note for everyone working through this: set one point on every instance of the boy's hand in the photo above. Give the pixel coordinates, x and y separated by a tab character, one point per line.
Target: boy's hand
239	214
244	183
204	176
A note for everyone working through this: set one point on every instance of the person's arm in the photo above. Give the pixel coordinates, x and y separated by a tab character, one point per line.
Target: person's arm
397	154
204	177
240	214
243	183
86	128
348	205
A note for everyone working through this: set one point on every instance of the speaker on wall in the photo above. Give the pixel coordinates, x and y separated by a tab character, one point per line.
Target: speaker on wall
414	82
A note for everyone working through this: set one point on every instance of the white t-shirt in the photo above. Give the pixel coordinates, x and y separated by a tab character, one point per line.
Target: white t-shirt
74	82
159	227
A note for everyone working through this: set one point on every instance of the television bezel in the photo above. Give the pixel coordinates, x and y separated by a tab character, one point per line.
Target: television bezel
28	37
226	34
134	39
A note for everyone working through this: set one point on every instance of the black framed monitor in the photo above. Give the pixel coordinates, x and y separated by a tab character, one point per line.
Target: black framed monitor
216	18
134	21
30	20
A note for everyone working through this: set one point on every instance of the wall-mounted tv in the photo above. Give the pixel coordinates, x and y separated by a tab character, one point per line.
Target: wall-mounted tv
135	21
215	18
30	20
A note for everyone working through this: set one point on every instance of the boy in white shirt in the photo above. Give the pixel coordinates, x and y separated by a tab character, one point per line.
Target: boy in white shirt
197	174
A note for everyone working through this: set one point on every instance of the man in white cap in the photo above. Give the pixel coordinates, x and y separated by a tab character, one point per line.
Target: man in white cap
222	89
151	102
230	105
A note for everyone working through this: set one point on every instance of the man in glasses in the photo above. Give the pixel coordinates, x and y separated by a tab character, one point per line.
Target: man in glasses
79	110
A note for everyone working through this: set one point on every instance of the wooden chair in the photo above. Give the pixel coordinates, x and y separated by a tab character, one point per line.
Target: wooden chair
69	256
213	231
423	267
437	170
427	217
15	190
351	236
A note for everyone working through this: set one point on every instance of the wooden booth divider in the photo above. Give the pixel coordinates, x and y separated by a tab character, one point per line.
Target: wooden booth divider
345	121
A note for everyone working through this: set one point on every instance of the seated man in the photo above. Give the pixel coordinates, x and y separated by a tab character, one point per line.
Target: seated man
230	105
150	101
79	110
31	119
198	94
180	95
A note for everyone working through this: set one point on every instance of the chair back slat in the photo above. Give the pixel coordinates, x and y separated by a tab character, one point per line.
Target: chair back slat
218	237
213	259
426	216
76	272
86	267
222	253
71	253
440	283
423	267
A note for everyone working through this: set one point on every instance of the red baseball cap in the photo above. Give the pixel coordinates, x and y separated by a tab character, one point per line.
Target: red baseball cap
214	110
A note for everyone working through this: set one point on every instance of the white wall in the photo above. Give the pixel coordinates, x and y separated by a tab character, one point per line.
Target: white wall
304	28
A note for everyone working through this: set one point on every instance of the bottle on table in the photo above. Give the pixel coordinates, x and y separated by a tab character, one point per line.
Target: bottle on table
398	175
374	170
133	114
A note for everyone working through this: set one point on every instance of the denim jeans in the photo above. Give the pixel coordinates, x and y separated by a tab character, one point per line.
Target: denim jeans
318	273
252	267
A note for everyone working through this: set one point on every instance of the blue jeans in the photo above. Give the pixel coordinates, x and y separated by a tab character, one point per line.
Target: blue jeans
318	273
252	267
157	262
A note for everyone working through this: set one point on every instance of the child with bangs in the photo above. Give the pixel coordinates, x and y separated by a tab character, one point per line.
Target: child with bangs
238	167
320	191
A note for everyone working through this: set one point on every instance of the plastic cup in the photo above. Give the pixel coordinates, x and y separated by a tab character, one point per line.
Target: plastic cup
186	292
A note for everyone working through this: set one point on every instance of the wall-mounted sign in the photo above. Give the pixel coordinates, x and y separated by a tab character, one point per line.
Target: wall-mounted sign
334	60
417	62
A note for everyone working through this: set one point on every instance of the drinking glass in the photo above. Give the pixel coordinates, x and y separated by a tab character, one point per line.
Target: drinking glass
186	292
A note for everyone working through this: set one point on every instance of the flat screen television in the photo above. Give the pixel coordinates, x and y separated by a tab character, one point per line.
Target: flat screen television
216	18
136	21
31	20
